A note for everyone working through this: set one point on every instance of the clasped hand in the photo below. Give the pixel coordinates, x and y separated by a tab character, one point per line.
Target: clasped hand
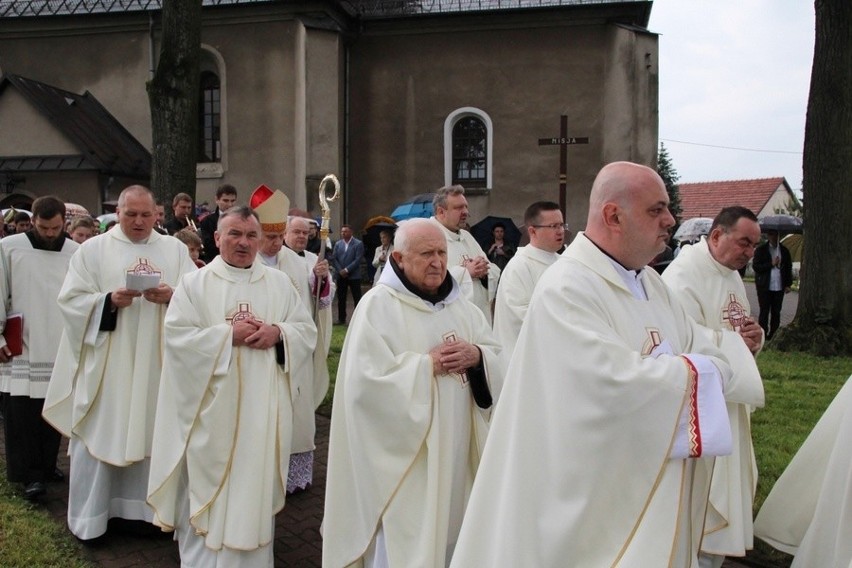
454	357
255	334
751	333
477	267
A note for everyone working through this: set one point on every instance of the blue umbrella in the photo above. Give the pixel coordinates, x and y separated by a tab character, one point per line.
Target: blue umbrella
418	206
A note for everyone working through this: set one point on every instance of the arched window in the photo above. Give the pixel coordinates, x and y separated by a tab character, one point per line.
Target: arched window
468	149
210	117
470	146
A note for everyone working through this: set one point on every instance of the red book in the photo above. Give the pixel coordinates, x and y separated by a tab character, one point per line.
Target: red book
14	333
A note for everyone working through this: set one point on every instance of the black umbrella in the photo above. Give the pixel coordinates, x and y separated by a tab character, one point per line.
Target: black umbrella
781	223
371	235
483	229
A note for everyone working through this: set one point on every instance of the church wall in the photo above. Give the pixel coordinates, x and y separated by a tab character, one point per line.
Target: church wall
324	114
261	94
27	132
406	82
110	60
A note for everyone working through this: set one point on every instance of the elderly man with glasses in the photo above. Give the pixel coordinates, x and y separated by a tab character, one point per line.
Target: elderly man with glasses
546	229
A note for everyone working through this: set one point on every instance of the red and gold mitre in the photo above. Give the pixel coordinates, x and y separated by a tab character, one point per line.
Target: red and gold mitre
271	207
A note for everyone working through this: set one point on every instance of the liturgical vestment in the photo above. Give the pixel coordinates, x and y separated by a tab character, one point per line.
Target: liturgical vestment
404	443
30	283
715	297
584	464
224	415
300	269
517	283
461	247
808	513
103	391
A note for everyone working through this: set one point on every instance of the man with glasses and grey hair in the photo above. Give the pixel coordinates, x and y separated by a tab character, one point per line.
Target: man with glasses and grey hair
546	229
466	261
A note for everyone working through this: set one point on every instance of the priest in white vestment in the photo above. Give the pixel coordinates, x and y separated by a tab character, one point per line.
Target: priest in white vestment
32	268
419	373
238	349
612	396
546	228
305	275
103	390
808	513
466	261
706	280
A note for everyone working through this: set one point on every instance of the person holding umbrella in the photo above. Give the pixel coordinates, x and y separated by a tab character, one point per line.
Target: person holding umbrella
773	277
500	252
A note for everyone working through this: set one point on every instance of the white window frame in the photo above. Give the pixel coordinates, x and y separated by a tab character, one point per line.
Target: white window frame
449	123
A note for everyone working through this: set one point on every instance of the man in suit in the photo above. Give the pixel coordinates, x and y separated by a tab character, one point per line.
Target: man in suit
346	260
773	276
226	197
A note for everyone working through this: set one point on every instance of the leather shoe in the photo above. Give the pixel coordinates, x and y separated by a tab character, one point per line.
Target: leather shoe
34	490
57	475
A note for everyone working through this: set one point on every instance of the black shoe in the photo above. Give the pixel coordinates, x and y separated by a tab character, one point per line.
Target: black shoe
34	490
57	475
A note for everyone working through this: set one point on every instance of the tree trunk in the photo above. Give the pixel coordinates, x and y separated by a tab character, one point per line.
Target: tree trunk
173	95
823	322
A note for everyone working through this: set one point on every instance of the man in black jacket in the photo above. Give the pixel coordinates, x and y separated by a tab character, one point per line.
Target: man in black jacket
773	276
226	197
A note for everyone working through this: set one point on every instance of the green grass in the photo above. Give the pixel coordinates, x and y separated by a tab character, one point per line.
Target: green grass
798	388
30	537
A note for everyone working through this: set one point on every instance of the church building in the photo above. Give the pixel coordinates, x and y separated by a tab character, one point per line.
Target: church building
395	97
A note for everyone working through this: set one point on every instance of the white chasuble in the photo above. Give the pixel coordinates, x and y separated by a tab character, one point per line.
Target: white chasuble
517	283
300	269
808	513
715	297
462	247
578	468
224	413
104	384
30	280
404	443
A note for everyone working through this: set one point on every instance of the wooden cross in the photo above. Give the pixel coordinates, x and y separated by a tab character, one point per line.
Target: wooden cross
563	142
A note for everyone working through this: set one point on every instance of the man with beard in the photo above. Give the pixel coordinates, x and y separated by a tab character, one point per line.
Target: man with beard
34	265
466	260
103	390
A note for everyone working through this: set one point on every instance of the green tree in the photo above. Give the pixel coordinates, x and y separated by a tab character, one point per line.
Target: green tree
823	322
173	96
669	174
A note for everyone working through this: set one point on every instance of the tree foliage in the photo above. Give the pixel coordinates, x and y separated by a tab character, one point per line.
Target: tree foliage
173	96
670	177
823	322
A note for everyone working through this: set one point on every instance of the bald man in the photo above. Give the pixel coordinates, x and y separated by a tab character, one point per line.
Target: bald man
594	456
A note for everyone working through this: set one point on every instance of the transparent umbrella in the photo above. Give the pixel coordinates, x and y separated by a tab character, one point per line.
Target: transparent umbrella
693	229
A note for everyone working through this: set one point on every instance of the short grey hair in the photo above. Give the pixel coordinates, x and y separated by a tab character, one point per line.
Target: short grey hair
402	236
241	211
440	199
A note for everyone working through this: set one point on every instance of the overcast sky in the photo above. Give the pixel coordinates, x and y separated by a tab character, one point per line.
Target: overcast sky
736	74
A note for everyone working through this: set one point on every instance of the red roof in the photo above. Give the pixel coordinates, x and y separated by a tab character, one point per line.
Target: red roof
708	198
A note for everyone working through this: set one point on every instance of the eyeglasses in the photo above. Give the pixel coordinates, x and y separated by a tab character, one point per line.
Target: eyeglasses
554	226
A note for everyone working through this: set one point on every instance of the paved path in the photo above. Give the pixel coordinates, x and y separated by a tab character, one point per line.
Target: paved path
297	539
